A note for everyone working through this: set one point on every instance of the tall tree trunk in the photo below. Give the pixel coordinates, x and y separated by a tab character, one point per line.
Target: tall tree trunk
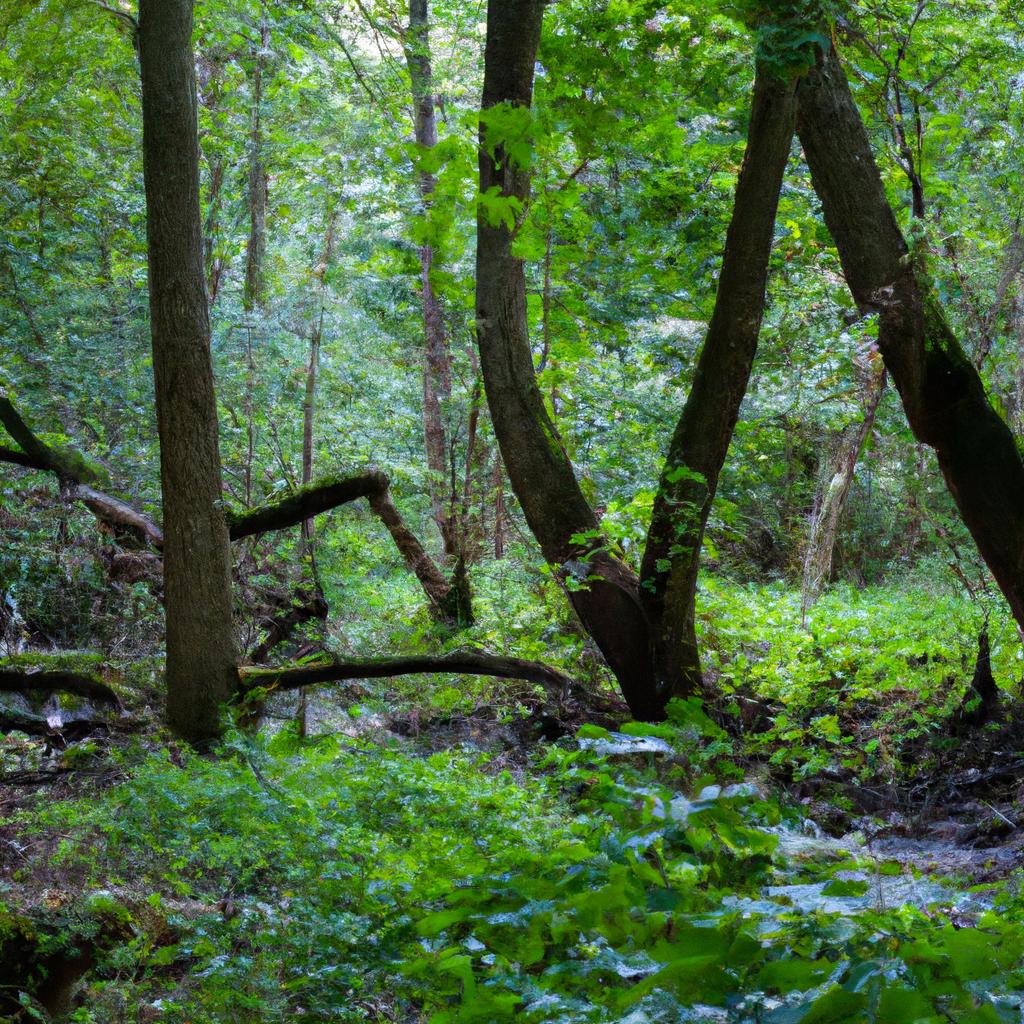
701	441
313	369
437	359
256	247
834	489
201	671
943	395
645	633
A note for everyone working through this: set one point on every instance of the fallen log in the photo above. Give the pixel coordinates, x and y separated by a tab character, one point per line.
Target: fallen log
476	663
59	680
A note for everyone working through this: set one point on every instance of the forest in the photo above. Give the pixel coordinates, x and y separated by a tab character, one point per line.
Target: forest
512	510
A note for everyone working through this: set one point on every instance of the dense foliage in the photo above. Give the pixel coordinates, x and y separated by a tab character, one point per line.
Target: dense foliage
830	835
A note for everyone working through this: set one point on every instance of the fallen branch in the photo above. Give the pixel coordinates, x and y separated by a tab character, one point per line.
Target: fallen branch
78	683
475	663
118	513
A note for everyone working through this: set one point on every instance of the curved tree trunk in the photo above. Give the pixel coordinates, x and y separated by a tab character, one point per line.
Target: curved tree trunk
602	590
833	491
201	672
701	440
943	395
645	632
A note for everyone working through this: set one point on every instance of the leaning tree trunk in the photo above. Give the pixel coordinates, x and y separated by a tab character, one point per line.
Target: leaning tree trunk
644	632
201	671
943	395
834	489
701	440
602	590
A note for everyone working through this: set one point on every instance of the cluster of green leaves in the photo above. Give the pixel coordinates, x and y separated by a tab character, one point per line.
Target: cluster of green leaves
860	681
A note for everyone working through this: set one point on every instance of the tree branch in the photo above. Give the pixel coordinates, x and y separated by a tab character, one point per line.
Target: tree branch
304	503
48	682
460	662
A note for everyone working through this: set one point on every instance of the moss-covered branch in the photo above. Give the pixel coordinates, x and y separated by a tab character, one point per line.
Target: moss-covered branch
477	663
58	680
67	463
304	503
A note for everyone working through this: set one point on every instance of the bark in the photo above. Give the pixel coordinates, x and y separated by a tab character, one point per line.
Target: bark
701	440
834	490
460	662
256	246
78	683
942	393
645	633
437	359
602	590
201	670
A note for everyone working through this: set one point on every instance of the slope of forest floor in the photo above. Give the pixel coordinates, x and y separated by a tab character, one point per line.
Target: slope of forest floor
824	841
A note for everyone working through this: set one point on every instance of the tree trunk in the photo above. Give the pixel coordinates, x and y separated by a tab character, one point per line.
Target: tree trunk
256	247
701	441
437	359
602	590
201	671
830	500
943	396
645	633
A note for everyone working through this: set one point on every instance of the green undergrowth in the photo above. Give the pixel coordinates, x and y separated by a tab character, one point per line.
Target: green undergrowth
869	681
340	880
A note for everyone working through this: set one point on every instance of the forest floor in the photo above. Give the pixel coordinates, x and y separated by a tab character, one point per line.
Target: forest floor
802	848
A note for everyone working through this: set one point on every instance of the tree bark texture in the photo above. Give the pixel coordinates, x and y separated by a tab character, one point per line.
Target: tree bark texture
699	446
201	670
942	393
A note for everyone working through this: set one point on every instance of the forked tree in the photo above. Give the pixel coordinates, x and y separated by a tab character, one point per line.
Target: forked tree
644	626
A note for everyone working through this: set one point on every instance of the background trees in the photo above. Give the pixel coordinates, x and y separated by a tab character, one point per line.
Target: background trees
640	118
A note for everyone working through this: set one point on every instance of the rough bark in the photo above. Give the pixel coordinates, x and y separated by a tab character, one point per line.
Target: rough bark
942	393
437	359
701	440
830	500
602	590
201	670
461	662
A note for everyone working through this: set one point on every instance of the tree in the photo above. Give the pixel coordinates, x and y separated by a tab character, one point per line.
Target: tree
943	395
644	627
201	667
